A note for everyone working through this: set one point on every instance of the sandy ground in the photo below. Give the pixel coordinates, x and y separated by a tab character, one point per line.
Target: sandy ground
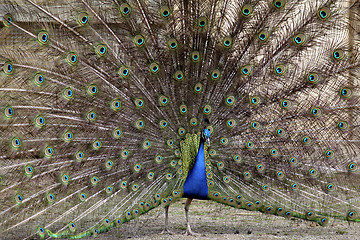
216	221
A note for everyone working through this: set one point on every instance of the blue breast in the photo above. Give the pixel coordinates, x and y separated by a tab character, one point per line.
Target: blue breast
196	184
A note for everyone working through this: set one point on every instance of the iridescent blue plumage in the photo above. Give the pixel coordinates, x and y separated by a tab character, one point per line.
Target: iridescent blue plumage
195	185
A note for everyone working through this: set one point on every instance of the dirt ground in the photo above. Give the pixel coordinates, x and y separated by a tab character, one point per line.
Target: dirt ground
216	221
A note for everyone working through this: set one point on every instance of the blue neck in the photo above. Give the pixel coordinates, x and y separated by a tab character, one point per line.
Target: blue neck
196	183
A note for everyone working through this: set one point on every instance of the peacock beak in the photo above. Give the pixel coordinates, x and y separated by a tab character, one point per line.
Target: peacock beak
207	140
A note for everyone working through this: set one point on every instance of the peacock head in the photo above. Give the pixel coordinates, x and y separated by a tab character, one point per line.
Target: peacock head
206	136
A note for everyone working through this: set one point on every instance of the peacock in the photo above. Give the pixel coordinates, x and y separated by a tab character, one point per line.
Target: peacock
111	108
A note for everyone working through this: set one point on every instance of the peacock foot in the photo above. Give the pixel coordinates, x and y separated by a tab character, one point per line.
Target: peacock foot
167	231
189	232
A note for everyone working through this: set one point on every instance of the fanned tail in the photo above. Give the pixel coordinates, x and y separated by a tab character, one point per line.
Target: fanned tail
102	103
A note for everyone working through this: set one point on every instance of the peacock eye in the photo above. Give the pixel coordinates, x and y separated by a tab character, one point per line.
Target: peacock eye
278	4
255	101
179	75
316	112
207	109
246	10
227	42
125	9
154	68
323	13
165	12
183	109
82	19
72	58
7	20
215	75
172	44
139	103
346	92
195	56
123	72
280	69
43	37
202	22
299	39
139	40
8	68
338	54
101	50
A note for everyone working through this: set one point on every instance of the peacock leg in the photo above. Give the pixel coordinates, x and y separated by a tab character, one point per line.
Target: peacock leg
188	228
166	229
